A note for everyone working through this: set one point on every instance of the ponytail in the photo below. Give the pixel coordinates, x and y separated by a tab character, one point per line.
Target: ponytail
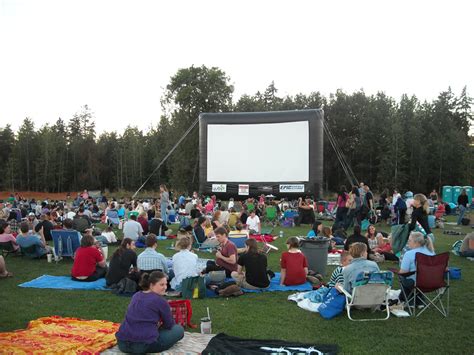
150	279
422	240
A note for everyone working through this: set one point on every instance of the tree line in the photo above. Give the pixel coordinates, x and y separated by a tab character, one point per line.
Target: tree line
407	144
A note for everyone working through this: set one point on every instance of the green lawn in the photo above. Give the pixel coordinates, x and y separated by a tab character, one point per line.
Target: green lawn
266	315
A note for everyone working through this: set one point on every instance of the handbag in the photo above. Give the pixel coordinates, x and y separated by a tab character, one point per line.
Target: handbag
182	311
333	304
193	287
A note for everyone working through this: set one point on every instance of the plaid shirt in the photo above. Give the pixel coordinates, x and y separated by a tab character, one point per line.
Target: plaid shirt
14	225
150	259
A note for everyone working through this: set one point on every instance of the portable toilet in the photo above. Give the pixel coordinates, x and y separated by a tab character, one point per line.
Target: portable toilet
469	193
456	193
447	194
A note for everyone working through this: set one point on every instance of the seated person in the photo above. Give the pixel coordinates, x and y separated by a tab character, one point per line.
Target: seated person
239	230
81	222
385	248
45	224
132	229
109	236
185	263
253	223
254	263
305	212
123	263
32	221
315	230
6	236
149	326
467	247
143	220
200	235
418	243
357	237
157	227
359	264
226	256
4	273
112	215
224	216
26	241
294	266
150	260
89	263
337	275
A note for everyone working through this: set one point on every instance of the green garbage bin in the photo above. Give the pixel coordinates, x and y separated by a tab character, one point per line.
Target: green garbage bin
316	252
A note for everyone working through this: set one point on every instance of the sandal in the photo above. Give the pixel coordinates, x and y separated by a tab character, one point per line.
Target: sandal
8	274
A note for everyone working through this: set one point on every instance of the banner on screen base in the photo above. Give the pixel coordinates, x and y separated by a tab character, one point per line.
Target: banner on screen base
292	188
219	187
243	190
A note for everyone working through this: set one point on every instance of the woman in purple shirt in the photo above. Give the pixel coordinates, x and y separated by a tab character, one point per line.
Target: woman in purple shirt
148	326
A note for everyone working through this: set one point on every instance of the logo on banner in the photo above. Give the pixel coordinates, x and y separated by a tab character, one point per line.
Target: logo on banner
244	190
292	188
219	187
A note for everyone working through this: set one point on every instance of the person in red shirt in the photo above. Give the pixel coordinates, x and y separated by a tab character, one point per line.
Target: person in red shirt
143	220
294	266
89	263
226	256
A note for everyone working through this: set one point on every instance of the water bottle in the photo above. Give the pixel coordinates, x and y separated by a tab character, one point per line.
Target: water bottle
281	234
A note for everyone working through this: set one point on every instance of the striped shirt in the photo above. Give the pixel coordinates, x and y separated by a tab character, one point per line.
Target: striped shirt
150	259
336	277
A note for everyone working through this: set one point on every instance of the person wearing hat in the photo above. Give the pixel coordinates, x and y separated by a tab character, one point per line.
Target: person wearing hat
32	221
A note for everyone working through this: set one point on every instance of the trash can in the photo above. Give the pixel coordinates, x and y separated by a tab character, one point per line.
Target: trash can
316	252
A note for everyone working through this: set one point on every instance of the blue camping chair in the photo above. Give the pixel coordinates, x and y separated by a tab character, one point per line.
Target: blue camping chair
113	218
239	240
197	245
66	242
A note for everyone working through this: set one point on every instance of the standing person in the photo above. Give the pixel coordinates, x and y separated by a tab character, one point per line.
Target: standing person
164	202
294	266
463	202
353	205
149	326
341	213
123	260
255	276
89	263
434	196
420	215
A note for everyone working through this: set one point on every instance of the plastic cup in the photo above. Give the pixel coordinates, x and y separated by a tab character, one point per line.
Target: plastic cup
105	252
50	258
206	326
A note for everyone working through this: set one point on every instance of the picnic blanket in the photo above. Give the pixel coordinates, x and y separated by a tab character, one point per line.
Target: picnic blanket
60	335
275	286
64	283
192	343
262	237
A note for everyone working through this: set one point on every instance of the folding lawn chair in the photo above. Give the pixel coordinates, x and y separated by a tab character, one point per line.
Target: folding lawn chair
113	218
239	240
66	242
7	248
271	215
431	284
370	291
198	246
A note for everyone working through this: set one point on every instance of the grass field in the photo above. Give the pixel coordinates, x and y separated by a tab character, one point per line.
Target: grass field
264	316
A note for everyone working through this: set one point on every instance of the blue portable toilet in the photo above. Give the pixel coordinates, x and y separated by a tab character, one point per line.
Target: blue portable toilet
447	194
469	193
456	193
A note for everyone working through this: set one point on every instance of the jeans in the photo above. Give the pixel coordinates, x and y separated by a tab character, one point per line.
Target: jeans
462	210
164	215
166	339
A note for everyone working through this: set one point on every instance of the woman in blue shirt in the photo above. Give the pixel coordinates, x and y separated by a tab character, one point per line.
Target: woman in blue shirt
418	243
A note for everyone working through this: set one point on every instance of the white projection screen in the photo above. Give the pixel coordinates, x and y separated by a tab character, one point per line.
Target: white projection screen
251	153
258	152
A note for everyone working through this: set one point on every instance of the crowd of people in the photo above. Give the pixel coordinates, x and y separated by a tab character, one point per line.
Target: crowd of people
207	222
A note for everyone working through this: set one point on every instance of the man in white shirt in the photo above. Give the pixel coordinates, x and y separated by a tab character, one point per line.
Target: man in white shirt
253	223
132	229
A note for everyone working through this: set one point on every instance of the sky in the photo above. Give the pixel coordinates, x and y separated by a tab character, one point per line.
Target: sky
118	56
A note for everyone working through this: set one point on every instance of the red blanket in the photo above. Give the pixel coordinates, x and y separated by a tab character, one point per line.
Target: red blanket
262	237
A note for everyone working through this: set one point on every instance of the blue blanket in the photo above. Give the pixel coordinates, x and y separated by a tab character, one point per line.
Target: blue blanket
64	283
275	286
